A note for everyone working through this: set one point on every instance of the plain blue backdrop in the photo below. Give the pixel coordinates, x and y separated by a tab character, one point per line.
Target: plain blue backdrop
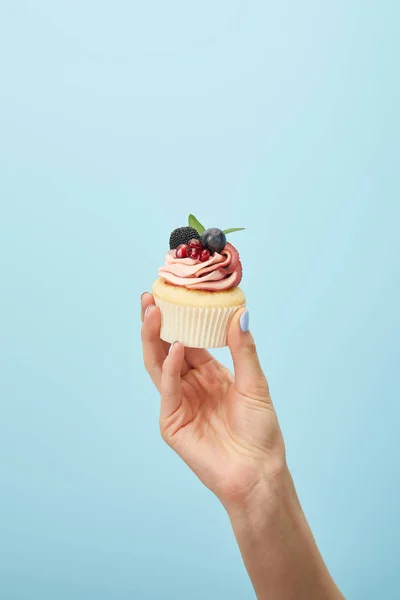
117	119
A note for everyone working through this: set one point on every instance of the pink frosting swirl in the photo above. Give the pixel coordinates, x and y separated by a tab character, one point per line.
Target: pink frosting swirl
221	272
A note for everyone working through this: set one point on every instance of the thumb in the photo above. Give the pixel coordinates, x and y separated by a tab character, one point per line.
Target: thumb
249	376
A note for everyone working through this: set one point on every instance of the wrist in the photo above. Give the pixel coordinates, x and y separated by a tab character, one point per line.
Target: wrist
273	493
277	545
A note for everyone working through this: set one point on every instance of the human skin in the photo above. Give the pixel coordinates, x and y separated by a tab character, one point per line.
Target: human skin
225	428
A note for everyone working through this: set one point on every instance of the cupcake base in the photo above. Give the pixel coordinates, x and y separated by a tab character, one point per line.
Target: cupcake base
194	318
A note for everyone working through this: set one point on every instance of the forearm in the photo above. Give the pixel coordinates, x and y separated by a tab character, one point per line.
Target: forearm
277	546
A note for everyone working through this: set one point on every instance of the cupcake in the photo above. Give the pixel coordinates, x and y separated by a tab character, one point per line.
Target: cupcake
197	289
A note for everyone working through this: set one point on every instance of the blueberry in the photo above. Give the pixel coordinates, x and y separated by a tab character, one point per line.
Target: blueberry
213	239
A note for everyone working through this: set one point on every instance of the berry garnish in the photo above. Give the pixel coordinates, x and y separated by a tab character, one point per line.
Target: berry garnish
181	236
196	237
181	251
195	243
204	255
213	240
193	253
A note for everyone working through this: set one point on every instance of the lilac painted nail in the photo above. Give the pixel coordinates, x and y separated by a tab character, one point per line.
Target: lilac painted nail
147	309
170	348
244	321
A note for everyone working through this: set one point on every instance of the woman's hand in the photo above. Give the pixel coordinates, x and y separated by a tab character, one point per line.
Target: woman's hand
224	427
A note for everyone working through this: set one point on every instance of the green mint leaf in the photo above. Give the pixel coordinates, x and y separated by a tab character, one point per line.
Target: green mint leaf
193	222
234	229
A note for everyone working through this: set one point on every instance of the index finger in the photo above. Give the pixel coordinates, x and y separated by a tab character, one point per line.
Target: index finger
154	351
146	299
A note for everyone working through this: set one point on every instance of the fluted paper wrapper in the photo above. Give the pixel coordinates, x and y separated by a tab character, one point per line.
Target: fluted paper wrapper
195	327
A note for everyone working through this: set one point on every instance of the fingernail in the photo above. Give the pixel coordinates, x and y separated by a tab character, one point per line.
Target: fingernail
170	348
147	309
244	321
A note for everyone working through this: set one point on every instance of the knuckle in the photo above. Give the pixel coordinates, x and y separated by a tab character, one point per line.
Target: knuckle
147	365
165	433
252	349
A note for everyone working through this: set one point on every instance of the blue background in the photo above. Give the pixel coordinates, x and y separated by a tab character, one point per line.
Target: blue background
117	119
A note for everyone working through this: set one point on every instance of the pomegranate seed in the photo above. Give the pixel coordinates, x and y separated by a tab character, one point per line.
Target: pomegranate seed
195	243
181	251
204	255
193	253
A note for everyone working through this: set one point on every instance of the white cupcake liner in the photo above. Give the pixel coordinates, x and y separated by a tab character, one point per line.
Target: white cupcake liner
195	327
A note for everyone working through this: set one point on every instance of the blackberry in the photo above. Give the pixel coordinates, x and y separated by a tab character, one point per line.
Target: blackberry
181	236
